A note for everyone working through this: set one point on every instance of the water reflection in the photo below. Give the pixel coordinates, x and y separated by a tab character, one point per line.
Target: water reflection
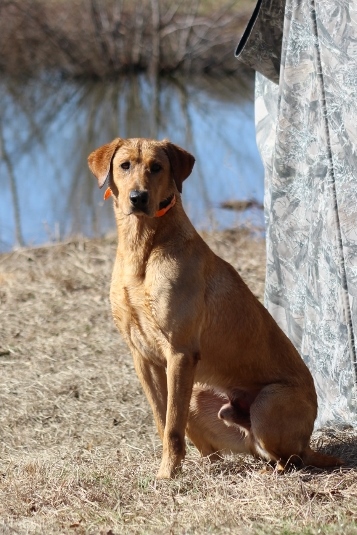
48	128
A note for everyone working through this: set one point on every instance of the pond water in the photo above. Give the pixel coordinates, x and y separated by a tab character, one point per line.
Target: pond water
49	126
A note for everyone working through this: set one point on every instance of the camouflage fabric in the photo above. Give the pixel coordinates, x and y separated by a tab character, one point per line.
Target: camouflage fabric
260	45
307	136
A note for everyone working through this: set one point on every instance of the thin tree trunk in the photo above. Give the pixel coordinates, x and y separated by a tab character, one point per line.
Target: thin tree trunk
19	241
155	56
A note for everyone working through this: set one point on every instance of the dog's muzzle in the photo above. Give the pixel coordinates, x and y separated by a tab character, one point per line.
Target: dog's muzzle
139	199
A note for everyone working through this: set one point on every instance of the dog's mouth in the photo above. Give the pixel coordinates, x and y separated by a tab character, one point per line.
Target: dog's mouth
140	212
163	208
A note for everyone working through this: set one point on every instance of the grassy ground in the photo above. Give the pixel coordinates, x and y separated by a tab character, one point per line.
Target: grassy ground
78	448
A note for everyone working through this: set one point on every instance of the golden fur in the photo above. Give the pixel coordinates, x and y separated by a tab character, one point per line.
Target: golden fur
212	361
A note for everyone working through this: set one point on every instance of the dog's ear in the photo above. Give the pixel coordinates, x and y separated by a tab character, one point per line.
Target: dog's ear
181	162
100	160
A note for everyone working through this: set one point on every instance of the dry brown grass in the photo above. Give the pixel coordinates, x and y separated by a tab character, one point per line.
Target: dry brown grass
78	448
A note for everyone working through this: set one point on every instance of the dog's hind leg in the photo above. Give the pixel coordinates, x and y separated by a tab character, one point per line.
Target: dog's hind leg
282	420
281	423
207	431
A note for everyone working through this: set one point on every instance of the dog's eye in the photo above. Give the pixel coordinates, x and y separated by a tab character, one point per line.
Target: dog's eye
155	168
125	165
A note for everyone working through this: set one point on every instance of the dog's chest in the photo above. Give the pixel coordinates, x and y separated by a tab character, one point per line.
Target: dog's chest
133	315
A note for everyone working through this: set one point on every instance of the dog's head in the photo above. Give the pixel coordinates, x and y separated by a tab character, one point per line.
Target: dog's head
142	174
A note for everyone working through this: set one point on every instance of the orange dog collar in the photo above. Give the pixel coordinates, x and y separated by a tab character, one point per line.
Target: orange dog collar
107	193
165	209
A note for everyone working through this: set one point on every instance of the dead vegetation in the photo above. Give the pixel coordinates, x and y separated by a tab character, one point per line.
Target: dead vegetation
98	39
78	448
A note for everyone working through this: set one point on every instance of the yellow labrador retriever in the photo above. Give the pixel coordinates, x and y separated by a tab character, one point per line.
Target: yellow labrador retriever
211	360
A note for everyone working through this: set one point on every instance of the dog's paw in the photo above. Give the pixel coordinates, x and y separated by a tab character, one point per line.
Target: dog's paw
168	470
164	474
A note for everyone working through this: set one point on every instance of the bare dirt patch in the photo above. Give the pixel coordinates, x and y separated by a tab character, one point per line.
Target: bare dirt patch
79	451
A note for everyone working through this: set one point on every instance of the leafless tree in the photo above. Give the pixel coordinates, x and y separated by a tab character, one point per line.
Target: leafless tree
103	38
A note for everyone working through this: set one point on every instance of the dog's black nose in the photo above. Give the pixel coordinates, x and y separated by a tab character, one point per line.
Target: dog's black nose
139	199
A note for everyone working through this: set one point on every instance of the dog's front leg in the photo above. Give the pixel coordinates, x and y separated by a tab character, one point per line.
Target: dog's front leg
180	377
153	380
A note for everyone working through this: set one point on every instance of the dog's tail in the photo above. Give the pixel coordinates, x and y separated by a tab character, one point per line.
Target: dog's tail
320	460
